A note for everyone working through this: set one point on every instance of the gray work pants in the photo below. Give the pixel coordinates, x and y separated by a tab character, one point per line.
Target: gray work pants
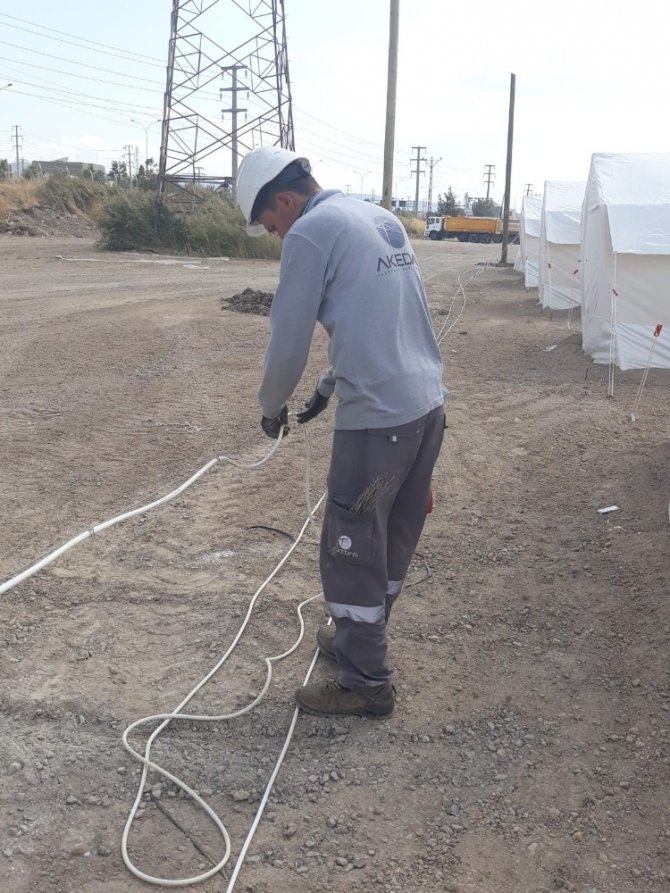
378	493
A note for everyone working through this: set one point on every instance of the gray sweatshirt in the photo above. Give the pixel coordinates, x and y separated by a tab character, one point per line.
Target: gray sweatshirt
349	265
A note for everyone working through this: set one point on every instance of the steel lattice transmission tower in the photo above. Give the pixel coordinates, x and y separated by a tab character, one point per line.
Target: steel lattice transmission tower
218	50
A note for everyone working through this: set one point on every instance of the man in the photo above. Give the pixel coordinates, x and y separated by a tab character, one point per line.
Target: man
349	265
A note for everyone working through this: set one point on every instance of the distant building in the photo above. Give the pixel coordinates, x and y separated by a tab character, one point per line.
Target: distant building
71	168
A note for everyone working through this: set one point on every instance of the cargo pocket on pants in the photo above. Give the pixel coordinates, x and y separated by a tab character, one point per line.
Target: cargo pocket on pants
350	536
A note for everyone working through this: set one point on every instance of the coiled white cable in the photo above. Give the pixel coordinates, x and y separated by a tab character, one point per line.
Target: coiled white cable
165	718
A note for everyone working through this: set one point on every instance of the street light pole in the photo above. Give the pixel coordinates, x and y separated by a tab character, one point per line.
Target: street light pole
146	134
362	175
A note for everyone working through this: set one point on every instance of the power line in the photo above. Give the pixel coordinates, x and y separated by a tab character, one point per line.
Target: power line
127	56
16	46
339	130
70	105
122	105
74	74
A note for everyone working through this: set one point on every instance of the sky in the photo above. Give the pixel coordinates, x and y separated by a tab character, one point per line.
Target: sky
591	76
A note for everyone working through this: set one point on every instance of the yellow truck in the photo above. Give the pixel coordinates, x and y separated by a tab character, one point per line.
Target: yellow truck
470	229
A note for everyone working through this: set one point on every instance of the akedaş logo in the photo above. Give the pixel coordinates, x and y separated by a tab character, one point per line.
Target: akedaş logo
391	231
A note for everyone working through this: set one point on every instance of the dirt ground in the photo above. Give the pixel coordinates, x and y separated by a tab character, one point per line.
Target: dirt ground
529	748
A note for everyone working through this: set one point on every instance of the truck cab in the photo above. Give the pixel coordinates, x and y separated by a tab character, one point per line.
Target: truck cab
434	228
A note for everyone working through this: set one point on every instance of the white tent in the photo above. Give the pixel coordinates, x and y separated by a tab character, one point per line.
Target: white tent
560	245
626	261
530	230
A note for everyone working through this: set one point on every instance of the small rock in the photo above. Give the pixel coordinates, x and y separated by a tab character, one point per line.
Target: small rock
239	796
289	830
71	800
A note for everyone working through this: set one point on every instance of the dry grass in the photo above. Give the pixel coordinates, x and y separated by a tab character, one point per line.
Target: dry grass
19	195
415	226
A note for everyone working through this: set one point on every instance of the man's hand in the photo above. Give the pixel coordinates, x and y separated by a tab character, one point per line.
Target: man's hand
316	404
272	427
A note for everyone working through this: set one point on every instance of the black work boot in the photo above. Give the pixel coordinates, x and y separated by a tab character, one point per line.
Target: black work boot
333	699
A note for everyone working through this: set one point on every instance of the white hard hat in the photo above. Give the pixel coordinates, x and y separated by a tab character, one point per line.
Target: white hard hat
256	170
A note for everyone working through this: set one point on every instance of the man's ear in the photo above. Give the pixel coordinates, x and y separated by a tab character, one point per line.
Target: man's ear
285	199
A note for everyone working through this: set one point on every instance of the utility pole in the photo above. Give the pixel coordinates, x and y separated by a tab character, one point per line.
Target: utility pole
389	138
529	187
431	165
508	170
129	150
17	145
234	111
419	160
489	177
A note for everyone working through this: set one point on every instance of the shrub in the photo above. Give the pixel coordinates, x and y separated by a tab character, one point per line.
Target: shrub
126	221
72	194
214	228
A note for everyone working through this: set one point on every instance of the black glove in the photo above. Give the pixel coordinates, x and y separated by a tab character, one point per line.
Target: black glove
316	404
272	427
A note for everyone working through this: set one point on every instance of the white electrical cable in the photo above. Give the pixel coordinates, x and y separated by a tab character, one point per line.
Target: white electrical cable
166	718
464	279
37	565
273	778
149	764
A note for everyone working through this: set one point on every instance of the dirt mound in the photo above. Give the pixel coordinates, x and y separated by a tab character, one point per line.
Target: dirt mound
43	221
249	301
